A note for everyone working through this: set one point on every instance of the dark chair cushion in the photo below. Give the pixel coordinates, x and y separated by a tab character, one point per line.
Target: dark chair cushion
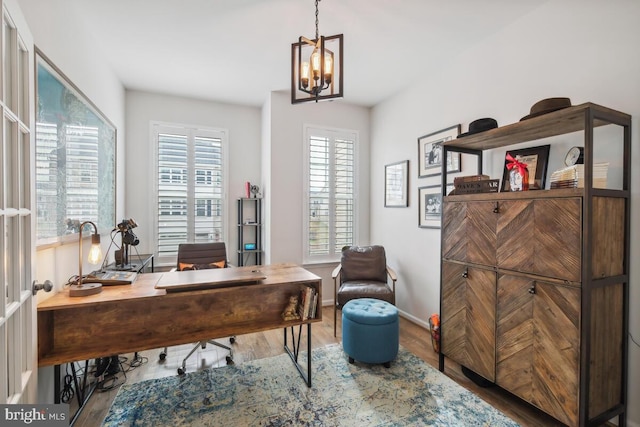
363	263
364	289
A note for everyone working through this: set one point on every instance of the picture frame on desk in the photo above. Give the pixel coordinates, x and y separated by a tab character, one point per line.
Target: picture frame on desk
536	159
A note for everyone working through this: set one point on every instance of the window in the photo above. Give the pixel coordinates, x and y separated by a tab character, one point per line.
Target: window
330	202
190	187
75	158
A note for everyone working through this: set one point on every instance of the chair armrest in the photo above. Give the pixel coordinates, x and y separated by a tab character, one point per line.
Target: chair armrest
392	273
336	271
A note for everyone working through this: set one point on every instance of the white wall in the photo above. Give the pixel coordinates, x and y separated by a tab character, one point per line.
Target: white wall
585	50
244	130
284	196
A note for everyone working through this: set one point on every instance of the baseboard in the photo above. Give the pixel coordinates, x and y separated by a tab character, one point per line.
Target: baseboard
404	314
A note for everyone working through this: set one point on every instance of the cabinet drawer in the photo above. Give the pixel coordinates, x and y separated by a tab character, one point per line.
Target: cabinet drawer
541	237
537	236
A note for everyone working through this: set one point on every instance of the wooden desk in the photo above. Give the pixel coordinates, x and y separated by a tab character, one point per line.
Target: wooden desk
129	318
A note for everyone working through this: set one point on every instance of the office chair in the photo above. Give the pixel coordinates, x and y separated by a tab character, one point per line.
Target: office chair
363	273
201	256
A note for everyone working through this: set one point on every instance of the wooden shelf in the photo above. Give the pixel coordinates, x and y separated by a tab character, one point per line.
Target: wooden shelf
556	123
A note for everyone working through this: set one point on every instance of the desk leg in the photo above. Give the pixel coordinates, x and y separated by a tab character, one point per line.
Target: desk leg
295	350
56	384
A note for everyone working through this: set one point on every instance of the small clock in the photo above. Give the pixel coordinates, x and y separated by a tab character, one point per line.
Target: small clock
575	156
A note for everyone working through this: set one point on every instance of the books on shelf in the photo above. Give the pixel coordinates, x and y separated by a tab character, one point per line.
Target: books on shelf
573	176
308	303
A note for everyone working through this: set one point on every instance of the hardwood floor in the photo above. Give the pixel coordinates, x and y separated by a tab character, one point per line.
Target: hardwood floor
266	344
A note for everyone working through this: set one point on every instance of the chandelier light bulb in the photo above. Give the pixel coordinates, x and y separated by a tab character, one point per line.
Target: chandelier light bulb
304	74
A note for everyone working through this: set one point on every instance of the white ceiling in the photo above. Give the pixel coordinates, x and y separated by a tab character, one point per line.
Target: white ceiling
240	50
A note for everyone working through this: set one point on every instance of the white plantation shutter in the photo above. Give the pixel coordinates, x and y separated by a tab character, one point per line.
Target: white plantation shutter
330	193
190	188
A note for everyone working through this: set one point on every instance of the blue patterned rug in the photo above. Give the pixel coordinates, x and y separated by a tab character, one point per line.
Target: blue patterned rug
270	392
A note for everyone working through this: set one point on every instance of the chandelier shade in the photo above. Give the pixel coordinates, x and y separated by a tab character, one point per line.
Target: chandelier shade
316	67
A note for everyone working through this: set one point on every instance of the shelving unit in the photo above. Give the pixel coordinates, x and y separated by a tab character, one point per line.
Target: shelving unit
250	231
534	284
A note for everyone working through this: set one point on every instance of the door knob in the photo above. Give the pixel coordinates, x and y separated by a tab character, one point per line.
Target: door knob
47	286
496	208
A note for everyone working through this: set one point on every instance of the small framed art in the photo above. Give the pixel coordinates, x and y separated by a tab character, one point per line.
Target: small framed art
396	184
430	206
535	159
430	152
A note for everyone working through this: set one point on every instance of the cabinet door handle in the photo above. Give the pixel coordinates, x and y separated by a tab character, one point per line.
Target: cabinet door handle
465	273
496	208
532	289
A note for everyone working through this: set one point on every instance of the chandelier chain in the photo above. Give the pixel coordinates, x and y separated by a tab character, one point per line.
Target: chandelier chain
317	19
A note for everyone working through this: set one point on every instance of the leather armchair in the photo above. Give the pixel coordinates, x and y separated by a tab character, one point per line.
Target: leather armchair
362	273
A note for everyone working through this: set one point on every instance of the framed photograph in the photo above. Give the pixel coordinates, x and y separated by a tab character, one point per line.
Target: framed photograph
396	184
536	159
430	152
430	206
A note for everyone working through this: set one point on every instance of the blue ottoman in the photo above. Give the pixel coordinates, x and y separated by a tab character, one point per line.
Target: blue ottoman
370	331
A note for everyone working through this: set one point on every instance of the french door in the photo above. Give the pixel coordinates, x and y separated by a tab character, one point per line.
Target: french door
18	326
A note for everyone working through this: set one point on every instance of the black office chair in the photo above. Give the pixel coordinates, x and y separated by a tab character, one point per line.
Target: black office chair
201	256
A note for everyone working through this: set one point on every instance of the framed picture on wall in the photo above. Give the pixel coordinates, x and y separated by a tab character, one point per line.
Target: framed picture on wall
396	184
430	206
430	152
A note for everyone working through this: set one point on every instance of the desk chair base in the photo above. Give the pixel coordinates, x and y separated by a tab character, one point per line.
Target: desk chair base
203	344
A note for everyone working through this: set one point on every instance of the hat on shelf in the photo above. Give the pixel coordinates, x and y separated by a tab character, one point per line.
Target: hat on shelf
547	106
480	125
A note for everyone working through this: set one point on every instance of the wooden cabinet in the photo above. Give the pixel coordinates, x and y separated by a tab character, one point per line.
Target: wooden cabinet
534	284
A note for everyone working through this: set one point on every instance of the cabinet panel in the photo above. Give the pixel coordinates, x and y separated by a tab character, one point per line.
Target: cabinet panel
556	314
606	348
541	237
468	317
558	227
537	356
514	335
607	256
470	232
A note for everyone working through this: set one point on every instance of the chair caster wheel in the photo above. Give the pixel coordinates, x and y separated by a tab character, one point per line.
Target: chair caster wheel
351	360
180	371
232	340
387	364
229	360
163	356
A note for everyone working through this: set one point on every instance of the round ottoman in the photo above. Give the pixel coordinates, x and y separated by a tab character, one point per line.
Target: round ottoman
370	331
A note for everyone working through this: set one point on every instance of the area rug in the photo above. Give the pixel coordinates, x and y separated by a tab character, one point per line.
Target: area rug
270	392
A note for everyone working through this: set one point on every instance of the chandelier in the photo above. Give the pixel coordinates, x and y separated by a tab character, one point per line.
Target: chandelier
316	67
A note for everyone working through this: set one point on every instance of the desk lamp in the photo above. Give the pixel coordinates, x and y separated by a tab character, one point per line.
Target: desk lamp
83	288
